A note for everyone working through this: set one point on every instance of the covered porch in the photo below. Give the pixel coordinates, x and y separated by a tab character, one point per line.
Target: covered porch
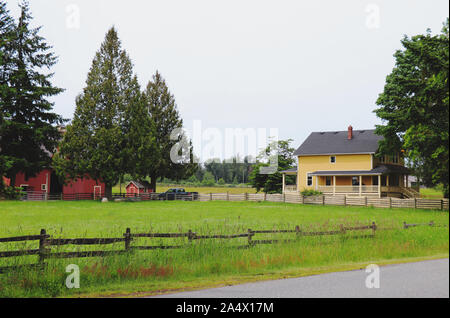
379	182
289	188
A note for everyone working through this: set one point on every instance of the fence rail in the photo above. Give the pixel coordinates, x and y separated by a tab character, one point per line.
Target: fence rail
296	198
44	251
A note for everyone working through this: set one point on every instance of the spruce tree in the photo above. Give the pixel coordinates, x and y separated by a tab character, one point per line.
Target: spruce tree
166	118
105	140
6	35
28	128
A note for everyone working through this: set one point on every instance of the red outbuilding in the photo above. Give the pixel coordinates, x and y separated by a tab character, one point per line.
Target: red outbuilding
46	181
138	187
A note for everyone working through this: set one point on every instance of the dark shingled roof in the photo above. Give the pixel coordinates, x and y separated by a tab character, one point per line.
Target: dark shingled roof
336	142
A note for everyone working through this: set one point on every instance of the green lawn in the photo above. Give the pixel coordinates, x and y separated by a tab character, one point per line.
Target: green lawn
431	193
208	263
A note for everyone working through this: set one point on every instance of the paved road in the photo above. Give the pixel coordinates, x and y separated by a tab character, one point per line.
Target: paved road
421	279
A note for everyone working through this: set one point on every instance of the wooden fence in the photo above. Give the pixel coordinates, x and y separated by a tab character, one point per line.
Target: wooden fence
44	251
415	203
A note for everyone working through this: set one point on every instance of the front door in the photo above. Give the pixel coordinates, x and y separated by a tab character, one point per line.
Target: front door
97	192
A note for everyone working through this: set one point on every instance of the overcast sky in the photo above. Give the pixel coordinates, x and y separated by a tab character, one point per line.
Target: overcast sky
299	66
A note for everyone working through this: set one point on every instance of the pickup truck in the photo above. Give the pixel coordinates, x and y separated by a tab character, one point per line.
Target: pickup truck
178	194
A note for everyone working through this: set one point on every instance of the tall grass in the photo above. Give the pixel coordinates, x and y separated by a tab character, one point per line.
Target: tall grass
218	257
202	260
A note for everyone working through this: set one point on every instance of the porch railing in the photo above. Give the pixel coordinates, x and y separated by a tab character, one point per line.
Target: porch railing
348	189
290	188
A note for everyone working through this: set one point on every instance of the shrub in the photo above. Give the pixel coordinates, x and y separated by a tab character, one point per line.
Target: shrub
12	193
308	193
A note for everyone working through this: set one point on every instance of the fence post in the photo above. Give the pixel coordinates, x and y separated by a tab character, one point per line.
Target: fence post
415	203
210	196
127	239
365	201
345	200
250	234
390	202
265	196
228	196
323	199
284	197
246	196
404	225
374	228
302	199
42	244
442	204
297	231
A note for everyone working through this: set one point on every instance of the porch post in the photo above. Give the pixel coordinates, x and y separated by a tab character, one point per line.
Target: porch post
334	185
284	182
360	185
379	186
317	182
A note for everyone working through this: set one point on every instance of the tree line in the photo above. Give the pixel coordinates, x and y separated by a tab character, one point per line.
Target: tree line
117	128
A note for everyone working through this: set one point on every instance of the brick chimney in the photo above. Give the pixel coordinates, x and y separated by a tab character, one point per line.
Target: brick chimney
350	132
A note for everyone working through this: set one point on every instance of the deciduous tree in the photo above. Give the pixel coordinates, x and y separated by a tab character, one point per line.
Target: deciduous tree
415	106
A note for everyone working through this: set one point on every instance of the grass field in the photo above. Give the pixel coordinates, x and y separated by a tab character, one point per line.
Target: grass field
431	193
213	262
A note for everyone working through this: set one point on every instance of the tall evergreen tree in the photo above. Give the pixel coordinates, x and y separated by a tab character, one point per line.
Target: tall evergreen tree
28	128
6	35
165	117
105	140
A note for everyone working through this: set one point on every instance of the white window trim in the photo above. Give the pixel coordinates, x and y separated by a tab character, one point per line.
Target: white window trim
334	160
312	180
43	187
97	187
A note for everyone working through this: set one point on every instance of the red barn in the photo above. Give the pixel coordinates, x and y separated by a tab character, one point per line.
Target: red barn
138	187
47	181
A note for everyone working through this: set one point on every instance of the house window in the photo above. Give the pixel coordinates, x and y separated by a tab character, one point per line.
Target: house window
328	181
309	180
333	159
43	187
355	181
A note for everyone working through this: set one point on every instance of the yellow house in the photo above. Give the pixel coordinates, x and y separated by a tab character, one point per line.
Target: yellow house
344	163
